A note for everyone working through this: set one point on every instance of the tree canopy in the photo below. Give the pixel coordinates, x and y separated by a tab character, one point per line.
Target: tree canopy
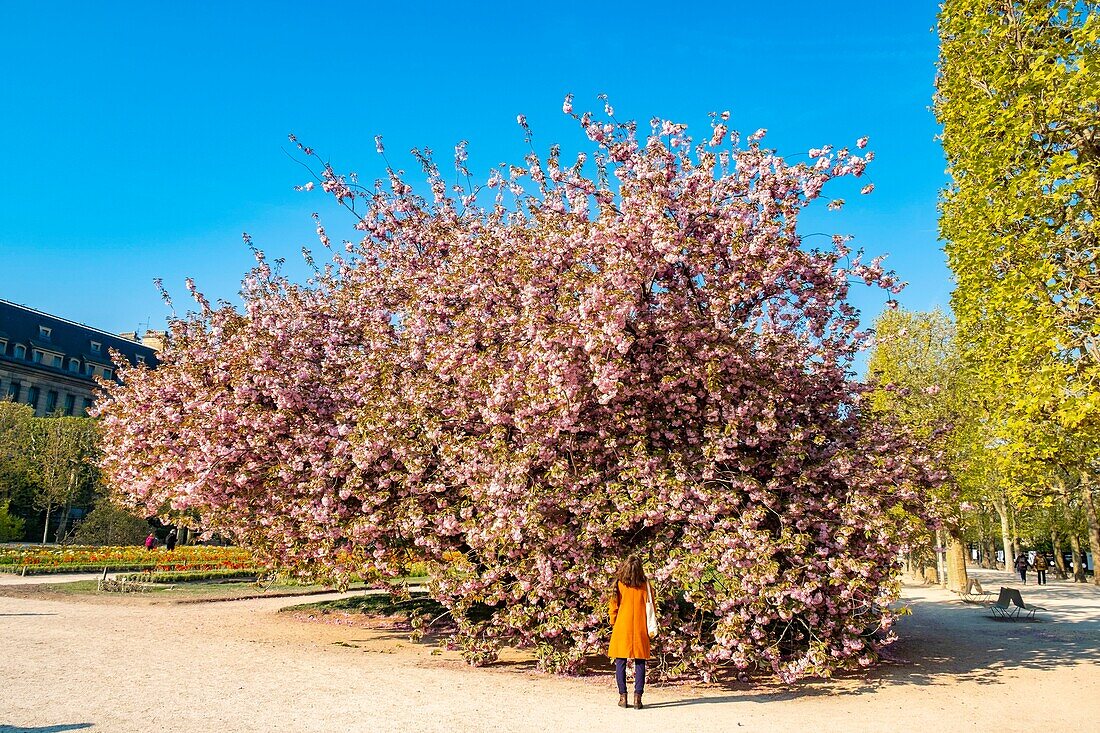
525	382
1018	93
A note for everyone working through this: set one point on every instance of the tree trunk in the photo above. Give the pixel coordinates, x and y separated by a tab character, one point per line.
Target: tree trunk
941	569
1093	523
1059	561
1006	534
1016	549
989	553
1074	539
1075	551
956	561
64	523
46	527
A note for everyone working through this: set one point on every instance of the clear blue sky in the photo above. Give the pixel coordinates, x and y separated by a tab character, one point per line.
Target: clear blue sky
141	139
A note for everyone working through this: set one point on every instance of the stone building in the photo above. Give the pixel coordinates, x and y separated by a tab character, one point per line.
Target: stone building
50	363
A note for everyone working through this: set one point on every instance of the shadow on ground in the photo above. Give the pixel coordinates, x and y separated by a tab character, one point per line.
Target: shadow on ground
46	728
978	648
943	642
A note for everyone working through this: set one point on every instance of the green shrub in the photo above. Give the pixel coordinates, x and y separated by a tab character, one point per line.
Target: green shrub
11	526
185	576
109	525
376	604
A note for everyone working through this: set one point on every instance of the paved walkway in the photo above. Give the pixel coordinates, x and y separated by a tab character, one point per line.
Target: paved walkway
130	666
14	579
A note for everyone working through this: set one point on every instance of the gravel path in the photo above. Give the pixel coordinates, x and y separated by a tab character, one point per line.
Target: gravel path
128	665
14	579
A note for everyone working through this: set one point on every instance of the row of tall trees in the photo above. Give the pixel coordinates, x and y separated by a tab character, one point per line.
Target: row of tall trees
1011	388
989	498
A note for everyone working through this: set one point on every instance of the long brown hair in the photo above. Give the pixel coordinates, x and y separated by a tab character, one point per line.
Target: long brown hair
630	574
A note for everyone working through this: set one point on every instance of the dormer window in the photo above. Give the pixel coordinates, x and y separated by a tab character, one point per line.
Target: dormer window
140	358
74	365
44	333
96	347
20	351
89	369
57	362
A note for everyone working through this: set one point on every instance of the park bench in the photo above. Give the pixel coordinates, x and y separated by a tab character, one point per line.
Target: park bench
1018	601
1009	603
1002	607
974	592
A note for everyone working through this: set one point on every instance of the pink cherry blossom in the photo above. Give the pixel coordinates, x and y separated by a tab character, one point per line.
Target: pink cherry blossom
634	356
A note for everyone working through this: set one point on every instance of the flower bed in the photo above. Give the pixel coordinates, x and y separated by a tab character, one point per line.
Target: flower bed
43	560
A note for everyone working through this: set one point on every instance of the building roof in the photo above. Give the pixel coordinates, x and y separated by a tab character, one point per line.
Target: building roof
21	325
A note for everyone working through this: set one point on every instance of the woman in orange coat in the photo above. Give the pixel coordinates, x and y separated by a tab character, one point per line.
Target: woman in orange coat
629	634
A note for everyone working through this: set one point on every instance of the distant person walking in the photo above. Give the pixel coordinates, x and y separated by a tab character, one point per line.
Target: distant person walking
1040	566
1021	566
630	634
170	540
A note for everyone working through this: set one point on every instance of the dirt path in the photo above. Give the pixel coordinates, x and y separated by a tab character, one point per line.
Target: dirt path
240	666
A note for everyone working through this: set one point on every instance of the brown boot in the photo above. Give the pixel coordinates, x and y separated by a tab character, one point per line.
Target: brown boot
622	700
637	701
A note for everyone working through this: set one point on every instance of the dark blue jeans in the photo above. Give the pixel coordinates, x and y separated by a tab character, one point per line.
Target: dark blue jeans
639	675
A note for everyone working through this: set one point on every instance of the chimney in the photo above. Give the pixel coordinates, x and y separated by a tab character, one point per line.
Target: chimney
153	339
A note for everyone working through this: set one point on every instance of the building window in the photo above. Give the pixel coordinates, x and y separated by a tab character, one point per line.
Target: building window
44	333
74	365
87	406
89	369
3	347
20	351
96	347
140	358
57	362
14	389
38	357
32	397
51	402
70	403
106	373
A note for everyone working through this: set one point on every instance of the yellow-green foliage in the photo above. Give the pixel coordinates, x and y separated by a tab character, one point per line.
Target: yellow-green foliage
1017	95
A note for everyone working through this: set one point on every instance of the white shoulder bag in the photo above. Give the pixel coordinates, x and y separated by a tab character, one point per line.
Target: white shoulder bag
650	612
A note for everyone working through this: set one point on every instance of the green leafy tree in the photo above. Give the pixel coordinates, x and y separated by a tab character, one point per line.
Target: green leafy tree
1017	95
63	453
11	526
915	373
108	524
16	476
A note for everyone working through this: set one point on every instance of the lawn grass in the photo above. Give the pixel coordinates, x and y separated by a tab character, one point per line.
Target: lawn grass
418	607
177	592
374	604
189	592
